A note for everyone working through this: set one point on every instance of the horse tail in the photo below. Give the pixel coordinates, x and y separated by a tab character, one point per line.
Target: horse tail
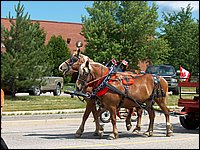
164	88
160	91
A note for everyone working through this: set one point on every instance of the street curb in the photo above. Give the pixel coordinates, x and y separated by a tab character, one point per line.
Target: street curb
64	111
39	112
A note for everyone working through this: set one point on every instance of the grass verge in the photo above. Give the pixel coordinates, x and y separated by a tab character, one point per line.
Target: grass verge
31	103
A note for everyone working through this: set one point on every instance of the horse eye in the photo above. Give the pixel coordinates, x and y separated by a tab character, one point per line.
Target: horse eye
85	73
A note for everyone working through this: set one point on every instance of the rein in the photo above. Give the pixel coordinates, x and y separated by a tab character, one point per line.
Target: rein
72	61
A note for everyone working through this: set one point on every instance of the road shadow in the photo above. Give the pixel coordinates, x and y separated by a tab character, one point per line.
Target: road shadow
85	135
159	131
177	128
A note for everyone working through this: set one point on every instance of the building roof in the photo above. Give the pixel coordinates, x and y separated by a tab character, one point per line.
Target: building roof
70	32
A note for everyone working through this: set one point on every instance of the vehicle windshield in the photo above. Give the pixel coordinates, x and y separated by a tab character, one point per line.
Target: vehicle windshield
161	70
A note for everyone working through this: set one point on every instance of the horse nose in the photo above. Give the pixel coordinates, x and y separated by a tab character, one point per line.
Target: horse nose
60	68
63	67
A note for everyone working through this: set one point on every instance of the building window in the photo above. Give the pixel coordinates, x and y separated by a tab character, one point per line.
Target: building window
68	40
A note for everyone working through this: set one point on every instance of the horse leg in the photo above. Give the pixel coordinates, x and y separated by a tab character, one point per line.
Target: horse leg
128	119
115	134
166	111
99	128
151	113
139	118
89	107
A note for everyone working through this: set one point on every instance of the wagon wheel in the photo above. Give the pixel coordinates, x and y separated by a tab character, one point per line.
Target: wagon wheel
105	116
189	121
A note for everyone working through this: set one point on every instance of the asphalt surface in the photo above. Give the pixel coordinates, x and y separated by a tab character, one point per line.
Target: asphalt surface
57	131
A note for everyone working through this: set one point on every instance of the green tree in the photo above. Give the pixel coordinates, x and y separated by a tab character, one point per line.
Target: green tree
182	32
122	30
25	58
100	31
58	52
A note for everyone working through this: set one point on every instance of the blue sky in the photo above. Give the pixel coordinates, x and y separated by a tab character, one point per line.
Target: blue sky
71	11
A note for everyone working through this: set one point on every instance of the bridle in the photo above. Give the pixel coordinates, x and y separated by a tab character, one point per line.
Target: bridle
89	80
72	60
85	77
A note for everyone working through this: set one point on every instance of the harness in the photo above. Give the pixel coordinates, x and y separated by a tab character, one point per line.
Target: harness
104	84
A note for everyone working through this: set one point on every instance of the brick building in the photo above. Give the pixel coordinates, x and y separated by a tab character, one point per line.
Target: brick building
70	32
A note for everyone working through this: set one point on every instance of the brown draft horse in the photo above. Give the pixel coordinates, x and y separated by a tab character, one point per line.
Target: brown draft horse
72	65
142	90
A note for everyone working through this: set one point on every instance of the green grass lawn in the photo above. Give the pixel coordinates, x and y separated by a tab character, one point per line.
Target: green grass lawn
29	103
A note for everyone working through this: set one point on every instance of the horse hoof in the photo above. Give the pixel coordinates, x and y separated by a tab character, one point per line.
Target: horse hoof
148	133
170	133
128	127
169	130
79	132
112	137
78	135
101	128
136	130
100	135
96	133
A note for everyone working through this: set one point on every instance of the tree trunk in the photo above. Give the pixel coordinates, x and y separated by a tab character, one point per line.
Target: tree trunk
13	89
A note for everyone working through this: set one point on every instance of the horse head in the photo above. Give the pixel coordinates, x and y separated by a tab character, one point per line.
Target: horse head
84	71
90	72
72	64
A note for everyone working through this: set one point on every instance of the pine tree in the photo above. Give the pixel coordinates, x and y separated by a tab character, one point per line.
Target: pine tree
58	52
25	58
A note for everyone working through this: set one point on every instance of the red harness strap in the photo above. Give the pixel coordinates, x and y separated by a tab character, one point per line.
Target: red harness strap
105	89
96	83
125	81
101	92
101	79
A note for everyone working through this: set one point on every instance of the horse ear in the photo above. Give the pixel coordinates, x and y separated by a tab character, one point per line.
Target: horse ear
75	52
87	63
78	51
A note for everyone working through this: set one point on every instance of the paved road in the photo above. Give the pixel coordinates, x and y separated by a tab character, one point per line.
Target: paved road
57	131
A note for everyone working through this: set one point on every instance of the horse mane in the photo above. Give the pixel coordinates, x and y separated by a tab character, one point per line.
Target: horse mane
86	58
96	64
90	63
78	53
